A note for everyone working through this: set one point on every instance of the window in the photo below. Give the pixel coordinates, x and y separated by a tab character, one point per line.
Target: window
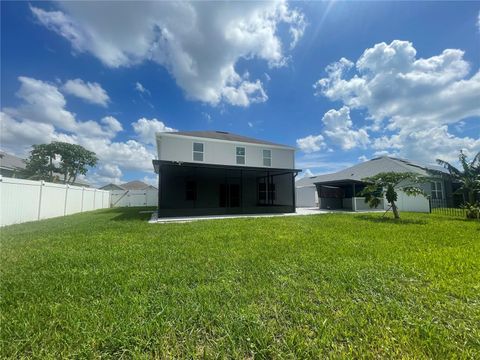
190	191
240	153
437	191
266	193
197	151
267	157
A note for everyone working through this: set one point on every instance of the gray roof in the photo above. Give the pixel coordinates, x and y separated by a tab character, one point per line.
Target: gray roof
131	185
8	161
371	168
224	135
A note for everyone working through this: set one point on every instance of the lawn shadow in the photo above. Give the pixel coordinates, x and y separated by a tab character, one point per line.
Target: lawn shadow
140	213
390	220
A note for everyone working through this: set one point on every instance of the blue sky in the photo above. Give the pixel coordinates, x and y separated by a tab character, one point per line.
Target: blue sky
107	77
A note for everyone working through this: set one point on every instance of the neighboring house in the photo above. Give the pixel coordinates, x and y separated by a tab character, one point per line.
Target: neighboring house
340	190
13	166
10	165
133	193
111	186
216	172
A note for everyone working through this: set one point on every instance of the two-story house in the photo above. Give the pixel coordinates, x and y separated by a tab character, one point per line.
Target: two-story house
216	172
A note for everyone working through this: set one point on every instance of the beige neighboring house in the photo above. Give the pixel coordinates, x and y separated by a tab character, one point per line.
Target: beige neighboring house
12	166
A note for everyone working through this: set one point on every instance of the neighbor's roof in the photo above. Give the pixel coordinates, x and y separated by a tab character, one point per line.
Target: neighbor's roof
8	161
131	185
224	135
371	168
135	185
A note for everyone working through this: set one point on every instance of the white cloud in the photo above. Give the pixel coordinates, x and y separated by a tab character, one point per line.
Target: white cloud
311	143
339	129
90	92
151	180
250	124
414	99
362	158
42	117
146	129
304	174
105	174
112	124
199	43
140	88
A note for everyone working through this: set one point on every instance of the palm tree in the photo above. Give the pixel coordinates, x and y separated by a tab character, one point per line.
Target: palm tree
469	178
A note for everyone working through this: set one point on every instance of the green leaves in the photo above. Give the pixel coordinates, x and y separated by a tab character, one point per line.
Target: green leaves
387	184
49	161
469	178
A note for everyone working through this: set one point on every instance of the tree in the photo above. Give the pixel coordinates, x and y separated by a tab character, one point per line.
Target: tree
469	178
386	184
49	161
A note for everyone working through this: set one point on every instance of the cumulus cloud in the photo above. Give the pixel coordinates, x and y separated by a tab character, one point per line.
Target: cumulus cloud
339	129
311	143
90	92
199	43
43	117
415	98
146	129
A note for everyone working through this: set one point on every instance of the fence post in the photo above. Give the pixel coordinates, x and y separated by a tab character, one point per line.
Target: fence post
83	190
40	199
94	199
66	199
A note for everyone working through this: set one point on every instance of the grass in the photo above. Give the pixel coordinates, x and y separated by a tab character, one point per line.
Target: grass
108	284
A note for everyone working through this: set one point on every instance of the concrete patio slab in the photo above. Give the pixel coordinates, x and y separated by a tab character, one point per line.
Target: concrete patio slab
299	212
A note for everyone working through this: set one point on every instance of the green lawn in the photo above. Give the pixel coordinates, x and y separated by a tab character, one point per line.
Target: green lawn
108	284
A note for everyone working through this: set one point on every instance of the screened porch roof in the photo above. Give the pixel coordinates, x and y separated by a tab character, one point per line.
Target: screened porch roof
157	164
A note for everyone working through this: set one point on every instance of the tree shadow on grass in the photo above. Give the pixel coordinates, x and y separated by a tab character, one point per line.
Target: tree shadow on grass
141	213
390	220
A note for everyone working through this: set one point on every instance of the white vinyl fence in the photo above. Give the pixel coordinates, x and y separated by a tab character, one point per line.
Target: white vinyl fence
27	200
145	197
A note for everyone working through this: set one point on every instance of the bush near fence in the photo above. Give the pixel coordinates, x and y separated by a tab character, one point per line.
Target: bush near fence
27	200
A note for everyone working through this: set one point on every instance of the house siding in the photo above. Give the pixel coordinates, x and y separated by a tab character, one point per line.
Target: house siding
180	148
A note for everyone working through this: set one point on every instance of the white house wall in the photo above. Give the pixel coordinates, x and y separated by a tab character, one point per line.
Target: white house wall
306	196
179	148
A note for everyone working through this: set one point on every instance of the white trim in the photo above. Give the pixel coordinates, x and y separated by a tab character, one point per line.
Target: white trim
193	151
200	139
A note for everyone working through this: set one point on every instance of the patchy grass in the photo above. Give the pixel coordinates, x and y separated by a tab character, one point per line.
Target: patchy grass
107	284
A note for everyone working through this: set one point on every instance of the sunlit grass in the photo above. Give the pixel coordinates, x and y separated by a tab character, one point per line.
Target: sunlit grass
108	284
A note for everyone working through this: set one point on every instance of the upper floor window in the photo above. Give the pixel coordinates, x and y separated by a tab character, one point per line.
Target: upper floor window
197	151
267	157
437	191
240	154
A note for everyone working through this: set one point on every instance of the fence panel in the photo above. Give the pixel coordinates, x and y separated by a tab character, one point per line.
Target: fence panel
26	200
52	202
88	199
98	199
146	197
19	200
447	207
74	200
